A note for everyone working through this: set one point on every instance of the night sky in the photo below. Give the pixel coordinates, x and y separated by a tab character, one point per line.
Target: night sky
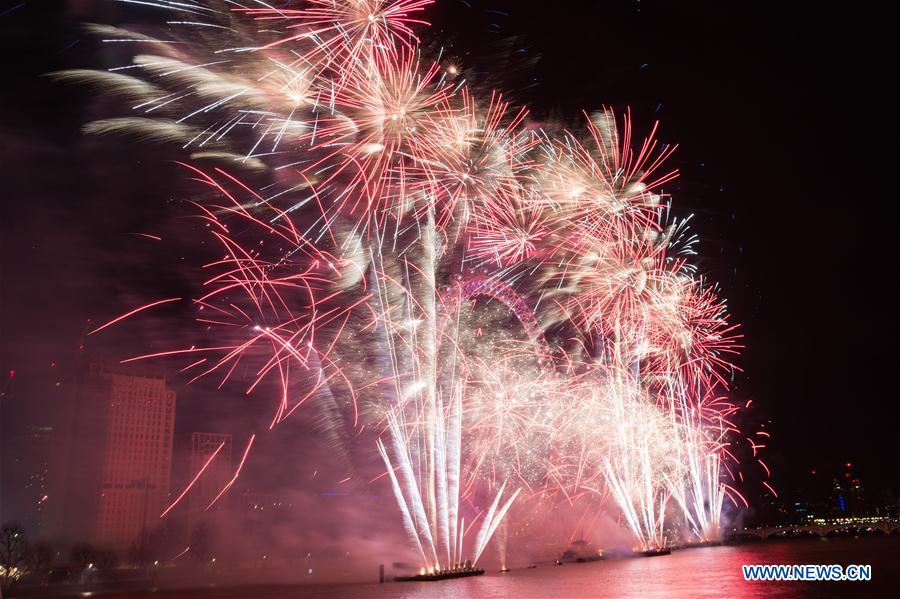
787	155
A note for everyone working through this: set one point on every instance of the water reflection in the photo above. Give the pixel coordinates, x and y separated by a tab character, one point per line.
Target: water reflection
698	573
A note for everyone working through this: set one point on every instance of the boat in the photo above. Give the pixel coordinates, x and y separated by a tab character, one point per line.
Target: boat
531	567
653	552
580	552
441	575
504	570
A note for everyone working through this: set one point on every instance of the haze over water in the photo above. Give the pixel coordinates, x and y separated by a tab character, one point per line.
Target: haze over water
689	574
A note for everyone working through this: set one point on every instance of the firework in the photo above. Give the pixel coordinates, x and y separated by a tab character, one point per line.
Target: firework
399	222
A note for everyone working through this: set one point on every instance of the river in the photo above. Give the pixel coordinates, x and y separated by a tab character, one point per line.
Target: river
696	573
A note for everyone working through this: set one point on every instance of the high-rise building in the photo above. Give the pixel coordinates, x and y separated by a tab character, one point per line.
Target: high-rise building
120	457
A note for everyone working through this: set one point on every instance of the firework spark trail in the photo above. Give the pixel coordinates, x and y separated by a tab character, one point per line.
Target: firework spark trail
408	522
492	520
237	473
634	476
194	480
414	509
454	440
394	199
132	313
448	533
696	482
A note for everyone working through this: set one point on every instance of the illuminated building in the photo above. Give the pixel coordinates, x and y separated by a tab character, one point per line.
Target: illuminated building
120	456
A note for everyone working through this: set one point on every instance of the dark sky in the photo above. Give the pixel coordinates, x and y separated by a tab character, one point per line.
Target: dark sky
787	152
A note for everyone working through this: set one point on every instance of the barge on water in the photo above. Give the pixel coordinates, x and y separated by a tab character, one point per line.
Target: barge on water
653	552
441	575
